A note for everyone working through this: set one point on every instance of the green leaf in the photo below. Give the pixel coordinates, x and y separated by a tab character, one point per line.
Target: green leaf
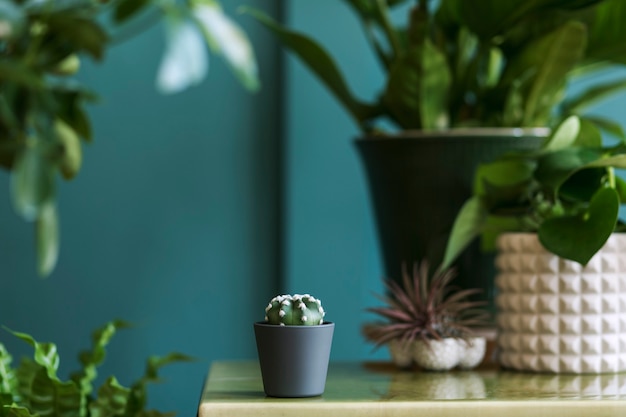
609	126
45	354
126	9
72	157
47	233
607	33
592	96
554	57
225	37
589	135
185	61
503	172
32	182
51	397
556	167
467	226
565	135
111	401
14	410
91	359
578	238
8	382
318	61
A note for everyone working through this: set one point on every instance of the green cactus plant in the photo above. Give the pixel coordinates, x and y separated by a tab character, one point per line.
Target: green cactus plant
294	310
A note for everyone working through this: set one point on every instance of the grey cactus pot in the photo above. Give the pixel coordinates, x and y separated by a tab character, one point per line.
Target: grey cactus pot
294	359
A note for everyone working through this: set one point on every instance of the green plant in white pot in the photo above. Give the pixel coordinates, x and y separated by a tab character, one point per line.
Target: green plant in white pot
43	116
451	67
562	270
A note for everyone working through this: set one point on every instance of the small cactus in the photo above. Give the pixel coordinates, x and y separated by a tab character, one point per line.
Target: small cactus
294	310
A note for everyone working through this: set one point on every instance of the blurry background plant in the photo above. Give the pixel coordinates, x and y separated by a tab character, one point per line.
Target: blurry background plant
458	63
34	388
43	119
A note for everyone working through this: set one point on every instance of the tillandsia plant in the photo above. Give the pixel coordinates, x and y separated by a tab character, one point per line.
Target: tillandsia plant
425	308
43	119
567	192
33	388
459	63
295	310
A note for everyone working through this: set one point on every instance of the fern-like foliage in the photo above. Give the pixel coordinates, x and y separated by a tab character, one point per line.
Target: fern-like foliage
425	308
34	389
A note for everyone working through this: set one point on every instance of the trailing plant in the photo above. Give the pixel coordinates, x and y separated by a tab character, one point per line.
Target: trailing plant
425	308
567	192
294	310
43	119
33	388
458	63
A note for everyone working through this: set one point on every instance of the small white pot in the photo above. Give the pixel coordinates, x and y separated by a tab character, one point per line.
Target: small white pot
401	353
437	355
473	352
555	315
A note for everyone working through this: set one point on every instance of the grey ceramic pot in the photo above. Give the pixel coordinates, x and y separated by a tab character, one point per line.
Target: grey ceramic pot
294	359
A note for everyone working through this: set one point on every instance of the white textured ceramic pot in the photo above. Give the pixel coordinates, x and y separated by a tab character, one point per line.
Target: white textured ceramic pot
448	353
555	315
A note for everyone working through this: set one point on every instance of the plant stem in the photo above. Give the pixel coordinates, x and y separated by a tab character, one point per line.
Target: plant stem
611	173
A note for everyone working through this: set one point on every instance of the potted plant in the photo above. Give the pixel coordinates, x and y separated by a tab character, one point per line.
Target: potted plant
428	322
293	344
33	388
43	117
452	68
555	213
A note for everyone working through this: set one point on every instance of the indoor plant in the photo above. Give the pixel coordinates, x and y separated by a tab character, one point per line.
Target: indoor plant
460	64
562	273
43	117
294	344
33	387
428	322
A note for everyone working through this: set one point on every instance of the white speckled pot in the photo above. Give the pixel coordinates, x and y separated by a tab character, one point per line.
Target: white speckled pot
443	355
401	353
555	315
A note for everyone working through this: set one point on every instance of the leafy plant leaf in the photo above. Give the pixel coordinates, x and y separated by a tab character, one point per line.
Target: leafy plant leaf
45	354
593	95
111	401
52	397
467	226
72	157
47	233
32	182
579	237
225	37
319	62
127	9
8	383
565	135
185	62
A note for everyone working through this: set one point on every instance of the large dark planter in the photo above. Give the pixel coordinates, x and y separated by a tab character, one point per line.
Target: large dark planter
418	182
294	359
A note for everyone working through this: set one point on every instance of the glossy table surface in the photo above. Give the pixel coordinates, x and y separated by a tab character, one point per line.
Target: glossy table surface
235	389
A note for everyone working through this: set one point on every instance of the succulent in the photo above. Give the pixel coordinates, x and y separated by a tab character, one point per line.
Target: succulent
294	310
425	308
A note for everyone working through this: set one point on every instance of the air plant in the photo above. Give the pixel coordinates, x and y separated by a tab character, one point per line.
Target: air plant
424	308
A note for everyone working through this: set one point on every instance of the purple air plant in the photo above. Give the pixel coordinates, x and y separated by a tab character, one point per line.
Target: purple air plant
425	308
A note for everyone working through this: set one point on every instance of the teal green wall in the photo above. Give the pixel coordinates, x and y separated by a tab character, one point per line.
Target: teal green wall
192	210
170	225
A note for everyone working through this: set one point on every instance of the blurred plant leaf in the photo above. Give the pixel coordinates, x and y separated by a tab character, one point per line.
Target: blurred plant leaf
45	354
185	62
47	228
467	226
225	37
127	9
319	62
592	96
51	397
32	181
565	135
579	237
111	401
609	126
72	157
8	382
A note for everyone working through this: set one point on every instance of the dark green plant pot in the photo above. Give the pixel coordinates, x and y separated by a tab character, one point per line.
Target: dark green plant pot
418	182
294	359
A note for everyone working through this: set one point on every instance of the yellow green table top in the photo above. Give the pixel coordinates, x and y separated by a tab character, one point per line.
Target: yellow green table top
235	389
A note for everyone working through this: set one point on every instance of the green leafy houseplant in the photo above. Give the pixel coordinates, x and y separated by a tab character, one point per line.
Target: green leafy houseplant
43	118
458	63
33	388
567	192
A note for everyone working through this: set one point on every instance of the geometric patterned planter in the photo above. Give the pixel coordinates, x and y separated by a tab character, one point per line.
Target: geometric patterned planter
555	315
